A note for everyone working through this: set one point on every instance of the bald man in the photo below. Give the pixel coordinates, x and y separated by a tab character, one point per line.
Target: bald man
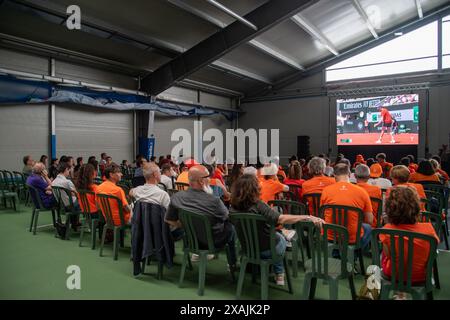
199	198
40	180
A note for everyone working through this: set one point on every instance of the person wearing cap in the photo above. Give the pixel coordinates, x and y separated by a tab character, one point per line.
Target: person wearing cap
375	177
386	166
270	186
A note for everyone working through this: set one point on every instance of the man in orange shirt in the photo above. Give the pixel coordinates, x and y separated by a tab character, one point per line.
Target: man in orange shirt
400	177
387	166
362	175
319	181
344	193
270	186
113	175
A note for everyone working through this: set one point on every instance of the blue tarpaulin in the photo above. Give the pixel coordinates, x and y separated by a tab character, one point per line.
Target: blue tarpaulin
14	90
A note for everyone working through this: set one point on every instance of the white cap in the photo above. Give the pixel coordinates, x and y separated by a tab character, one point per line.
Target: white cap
250	170
269	170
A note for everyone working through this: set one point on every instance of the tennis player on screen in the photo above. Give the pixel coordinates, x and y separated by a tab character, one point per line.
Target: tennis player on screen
386	122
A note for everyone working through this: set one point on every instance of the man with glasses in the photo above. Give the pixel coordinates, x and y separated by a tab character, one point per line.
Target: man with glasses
199	198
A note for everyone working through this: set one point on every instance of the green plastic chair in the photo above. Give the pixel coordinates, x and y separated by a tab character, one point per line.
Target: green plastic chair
401	274
193	225
88	221
7	193
38	208
171	192
322	265
434	196
69	210
312	200
296	190
248	228
436	221
294	208
20	181
379	214
104	204
181	186
339	216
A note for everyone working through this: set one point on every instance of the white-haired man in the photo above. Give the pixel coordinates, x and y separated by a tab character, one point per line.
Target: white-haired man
150	192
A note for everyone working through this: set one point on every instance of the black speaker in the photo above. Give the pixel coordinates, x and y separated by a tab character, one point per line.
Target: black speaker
303	147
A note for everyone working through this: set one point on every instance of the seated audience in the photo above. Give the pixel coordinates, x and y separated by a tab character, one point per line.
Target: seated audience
443	176
295	176
400	176
62	181
425	172
219	189
359	160
184	175
245	198
439	168
199	199
270	186
113	175
28	165
44	159
412	165
39	179
402	210
167	177
150	192
139	164
386	166
85	181
376	171
53	170
405	161
362	175
347	194
318	181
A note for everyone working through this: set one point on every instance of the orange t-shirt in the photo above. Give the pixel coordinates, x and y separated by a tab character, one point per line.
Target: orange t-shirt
317	184
414	177
269	188
346	194
110	188
386	166
374	192
91	200
421	249
183	177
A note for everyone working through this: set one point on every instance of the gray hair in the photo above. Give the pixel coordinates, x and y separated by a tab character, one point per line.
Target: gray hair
435	164
317	166
362	172
38	168
149	170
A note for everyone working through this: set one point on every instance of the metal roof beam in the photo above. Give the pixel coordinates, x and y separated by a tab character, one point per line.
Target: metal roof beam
365	17
242	72
233	14
256	44
315	33
419	9
219	44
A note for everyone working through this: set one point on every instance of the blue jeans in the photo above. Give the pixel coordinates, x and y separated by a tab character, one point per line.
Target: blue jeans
280	249
365	240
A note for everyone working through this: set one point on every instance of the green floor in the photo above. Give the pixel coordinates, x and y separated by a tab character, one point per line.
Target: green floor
34	267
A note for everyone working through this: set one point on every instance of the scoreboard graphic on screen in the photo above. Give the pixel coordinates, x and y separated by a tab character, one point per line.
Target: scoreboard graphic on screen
378	120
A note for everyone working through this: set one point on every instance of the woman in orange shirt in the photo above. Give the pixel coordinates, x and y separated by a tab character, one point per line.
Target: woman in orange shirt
85	181
424	172
295	176
402	211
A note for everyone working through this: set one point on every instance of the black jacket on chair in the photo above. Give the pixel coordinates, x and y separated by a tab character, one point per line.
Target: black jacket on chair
150	235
